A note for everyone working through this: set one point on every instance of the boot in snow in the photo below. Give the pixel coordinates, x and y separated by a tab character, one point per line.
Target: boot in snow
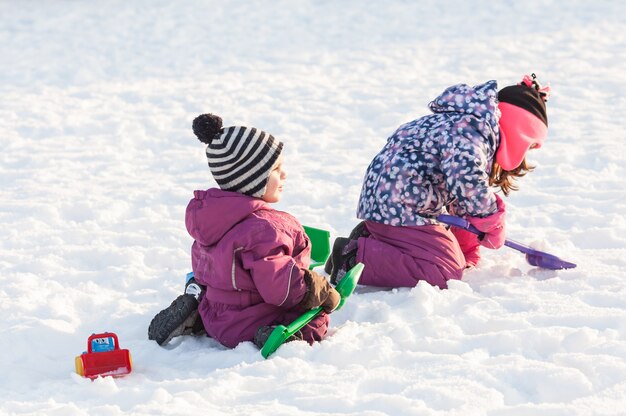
180	318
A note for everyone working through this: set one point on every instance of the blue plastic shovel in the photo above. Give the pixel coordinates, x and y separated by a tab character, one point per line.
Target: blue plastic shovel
533	257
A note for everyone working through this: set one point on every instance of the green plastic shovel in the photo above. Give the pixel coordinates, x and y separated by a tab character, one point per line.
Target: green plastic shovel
280	334
320	245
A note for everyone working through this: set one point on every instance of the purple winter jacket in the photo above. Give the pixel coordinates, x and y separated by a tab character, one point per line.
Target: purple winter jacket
250	257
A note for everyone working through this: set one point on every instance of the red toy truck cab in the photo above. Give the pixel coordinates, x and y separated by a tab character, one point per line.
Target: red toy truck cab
103	357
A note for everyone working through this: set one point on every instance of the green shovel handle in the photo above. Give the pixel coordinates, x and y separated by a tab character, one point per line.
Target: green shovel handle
281	333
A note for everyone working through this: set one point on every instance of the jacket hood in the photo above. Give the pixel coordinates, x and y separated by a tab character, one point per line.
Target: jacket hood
480	101
212	213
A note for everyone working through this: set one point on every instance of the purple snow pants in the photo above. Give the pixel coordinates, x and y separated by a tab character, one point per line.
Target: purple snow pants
402	256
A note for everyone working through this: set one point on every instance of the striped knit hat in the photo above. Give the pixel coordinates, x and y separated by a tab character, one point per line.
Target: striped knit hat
240	158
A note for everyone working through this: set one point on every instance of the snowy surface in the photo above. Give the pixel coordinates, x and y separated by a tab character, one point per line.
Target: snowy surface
98	161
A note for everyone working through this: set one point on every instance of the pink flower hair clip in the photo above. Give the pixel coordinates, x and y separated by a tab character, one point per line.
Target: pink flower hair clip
531	82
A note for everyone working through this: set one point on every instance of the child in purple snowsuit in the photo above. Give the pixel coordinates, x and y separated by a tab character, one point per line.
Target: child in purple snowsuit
249	260
446	162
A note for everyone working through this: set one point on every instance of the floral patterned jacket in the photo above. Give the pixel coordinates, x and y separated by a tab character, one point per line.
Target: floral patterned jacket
437	162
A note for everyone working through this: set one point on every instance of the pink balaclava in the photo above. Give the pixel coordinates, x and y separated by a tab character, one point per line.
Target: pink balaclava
523	121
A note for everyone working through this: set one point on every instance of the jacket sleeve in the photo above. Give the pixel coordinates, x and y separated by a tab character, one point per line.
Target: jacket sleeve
465	164
275	273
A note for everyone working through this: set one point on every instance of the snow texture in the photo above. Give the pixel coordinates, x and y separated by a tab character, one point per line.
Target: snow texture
98	162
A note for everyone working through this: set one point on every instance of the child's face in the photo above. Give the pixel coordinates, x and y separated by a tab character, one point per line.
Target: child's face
274	188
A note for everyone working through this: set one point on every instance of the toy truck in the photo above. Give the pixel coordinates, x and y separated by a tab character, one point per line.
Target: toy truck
103	357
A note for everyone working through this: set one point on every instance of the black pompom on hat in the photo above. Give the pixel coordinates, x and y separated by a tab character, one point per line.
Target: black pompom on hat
206	126
240	158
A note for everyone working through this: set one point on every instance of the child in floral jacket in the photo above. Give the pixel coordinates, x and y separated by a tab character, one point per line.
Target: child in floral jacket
446	162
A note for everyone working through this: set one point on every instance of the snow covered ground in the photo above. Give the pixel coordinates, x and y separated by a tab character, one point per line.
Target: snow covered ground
98	161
